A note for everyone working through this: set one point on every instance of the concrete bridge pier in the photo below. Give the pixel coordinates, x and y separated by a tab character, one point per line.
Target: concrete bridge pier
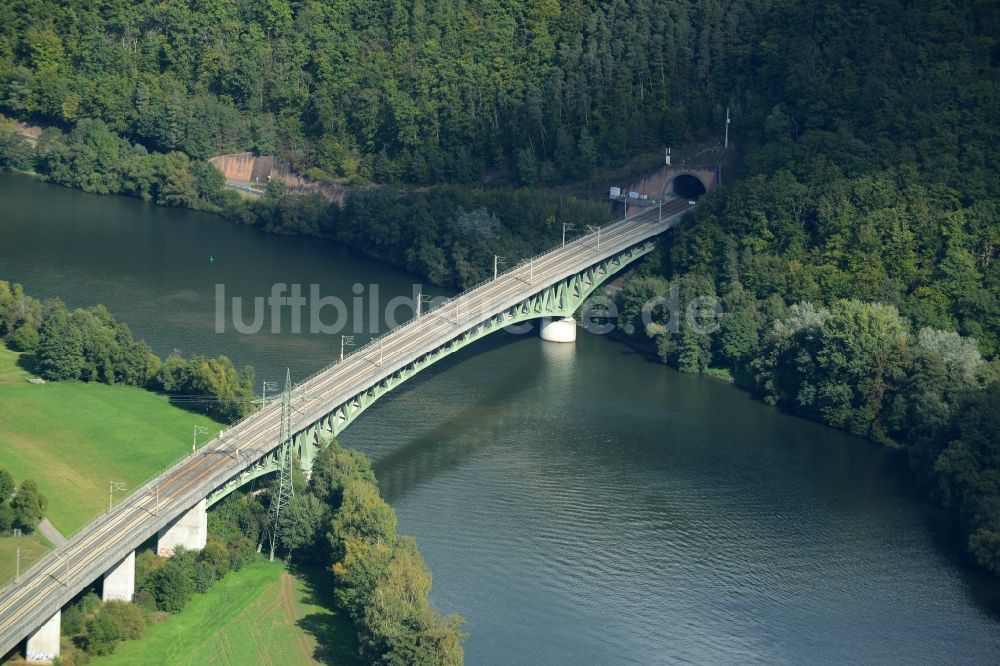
119	581
558	330
43	644
190	529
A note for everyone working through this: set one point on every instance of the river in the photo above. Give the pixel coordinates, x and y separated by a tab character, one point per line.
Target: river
576	504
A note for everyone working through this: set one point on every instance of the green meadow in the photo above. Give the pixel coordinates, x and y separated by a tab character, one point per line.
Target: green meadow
75	438
32	546
259	615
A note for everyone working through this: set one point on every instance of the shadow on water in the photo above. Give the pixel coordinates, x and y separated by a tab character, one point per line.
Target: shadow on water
452	441
949	538
336	642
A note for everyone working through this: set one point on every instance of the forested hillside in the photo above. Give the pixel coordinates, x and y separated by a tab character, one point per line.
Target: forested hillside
856	263
431	90
419	91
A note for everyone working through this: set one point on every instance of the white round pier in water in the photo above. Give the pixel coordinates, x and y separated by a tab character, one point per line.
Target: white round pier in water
559	330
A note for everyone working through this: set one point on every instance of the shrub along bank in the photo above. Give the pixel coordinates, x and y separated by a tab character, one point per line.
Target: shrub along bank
380	579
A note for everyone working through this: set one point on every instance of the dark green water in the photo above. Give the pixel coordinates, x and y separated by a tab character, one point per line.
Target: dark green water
577	504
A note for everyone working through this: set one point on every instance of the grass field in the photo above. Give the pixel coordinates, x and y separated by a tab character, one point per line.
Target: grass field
75	438
32	547
259	615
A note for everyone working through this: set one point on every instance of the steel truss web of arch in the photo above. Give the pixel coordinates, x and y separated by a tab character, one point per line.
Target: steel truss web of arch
562	299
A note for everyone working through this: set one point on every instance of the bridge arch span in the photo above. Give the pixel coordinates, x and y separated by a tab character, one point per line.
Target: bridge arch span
561	299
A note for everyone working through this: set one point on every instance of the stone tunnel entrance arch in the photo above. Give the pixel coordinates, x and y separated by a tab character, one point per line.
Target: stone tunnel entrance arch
685	186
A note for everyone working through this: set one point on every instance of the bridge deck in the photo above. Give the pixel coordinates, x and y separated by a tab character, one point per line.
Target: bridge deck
61	574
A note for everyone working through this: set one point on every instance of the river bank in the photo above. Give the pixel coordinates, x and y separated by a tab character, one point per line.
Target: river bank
649	351
448	234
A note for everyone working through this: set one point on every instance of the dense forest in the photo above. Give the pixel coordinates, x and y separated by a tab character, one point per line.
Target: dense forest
419	91
855	256
427	91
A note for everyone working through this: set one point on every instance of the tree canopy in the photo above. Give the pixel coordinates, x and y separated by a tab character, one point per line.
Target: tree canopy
380	579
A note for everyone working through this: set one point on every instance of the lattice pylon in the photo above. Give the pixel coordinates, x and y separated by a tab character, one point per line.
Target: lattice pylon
285	488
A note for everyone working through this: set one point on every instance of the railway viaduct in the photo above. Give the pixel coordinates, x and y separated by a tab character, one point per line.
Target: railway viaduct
172	507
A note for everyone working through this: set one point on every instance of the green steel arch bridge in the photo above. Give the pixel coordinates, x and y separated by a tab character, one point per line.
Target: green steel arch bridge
172	506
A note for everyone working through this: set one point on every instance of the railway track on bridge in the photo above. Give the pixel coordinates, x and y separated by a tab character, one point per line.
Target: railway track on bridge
95	549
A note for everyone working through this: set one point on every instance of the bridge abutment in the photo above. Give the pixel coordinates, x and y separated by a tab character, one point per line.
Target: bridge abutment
43	643
119	581
558	330
190	530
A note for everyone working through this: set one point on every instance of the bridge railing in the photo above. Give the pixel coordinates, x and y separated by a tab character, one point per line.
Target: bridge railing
130	500
55	553
524	262
373	342
107	560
